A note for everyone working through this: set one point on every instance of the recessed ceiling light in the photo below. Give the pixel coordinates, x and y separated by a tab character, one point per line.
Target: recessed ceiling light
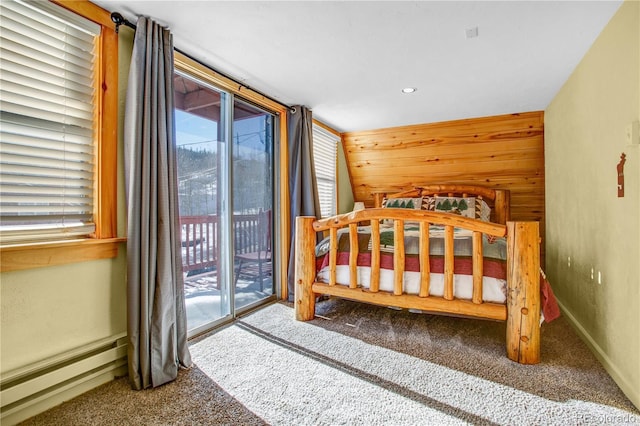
409	90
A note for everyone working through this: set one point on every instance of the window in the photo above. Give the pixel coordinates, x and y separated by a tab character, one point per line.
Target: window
324	157
58	112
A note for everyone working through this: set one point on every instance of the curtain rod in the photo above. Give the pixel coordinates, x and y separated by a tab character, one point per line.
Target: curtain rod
118	19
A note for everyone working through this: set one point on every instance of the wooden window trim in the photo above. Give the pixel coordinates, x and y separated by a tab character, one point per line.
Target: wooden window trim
104	243
327	128
38	255
185	64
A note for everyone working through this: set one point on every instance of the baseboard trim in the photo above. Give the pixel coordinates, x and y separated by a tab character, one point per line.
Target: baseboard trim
617	376
45	402
32	389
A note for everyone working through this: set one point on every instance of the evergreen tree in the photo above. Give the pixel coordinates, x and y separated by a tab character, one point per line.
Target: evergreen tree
445	205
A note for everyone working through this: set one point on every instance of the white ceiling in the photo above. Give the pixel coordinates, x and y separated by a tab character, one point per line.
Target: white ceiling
348	61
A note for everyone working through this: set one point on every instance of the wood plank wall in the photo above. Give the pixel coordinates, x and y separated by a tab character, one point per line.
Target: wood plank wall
505	151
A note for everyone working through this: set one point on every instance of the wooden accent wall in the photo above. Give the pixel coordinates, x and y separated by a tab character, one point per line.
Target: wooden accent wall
505	151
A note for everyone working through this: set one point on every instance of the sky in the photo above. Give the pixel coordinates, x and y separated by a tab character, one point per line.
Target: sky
200	133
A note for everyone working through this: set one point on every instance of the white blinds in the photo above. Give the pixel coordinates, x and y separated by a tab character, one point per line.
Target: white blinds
324	156
47	110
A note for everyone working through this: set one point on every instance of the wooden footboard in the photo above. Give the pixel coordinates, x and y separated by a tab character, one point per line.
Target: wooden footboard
522	309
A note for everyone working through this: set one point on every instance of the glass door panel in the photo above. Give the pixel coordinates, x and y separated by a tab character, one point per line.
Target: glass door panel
201	153
252	171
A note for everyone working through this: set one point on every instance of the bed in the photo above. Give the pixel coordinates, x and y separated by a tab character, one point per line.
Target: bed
443	249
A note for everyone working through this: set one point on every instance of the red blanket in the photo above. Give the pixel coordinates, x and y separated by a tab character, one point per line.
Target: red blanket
494	263
494	259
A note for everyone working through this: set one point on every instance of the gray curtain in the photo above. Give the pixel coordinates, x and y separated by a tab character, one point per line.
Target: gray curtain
155	299
303	191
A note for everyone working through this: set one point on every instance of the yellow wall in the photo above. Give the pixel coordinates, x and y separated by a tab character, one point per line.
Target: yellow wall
586	221
345	193
48	311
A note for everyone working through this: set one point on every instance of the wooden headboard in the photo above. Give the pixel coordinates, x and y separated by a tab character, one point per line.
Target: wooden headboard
498	199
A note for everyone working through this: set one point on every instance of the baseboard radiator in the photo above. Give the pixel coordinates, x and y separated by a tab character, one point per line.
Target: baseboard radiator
35	388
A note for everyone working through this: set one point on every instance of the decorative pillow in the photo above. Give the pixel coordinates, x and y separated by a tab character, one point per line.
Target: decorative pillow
456	205
402	203
473	207
428	203
483	211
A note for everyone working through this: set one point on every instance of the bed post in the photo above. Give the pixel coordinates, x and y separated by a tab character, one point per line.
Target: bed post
502	206
377	199
523	292
305	300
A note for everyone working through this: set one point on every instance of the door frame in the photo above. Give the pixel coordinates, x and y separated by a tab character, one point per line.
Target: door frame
280	228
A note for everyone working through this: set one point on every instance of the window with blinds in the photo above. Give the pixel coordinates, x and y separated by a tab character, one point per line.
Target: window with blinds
48	120
324	157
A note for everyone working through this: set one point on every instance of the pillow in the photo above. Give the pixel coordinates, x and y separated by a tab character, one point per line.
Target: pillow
402	203
472	207
483	211
456	205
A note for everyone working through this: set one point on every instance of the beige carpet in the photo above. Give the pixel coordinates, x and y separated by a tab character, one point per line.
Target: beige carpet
365	365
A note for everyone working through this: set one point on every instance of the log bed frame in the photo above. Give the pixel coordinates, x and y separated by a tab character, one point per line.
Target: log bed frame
522	308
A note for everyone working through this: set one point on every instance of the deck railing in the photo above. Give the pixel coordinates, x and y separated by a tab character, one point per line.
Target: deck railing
199	242
200	239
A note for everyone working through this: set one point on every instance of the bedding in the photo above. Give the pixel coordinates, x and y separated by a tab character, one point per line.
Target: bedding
494	250
453	241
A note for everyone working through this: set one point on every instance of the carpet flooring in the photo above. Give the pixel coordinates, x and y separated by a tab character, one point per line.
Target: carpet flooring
358	364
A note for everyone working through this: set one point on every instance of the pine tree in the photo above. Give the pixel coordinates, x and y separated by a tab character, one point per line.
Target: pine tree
445	205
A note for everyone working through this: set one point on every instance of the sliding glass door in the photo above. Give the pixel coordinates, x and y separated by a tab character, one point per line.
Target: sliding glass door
201	138
225	182
252	170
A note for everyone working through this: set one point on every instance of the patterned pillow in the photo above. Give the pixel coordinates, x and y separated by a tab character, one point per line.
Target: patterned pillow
402	203
472	207
456	205
483	211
